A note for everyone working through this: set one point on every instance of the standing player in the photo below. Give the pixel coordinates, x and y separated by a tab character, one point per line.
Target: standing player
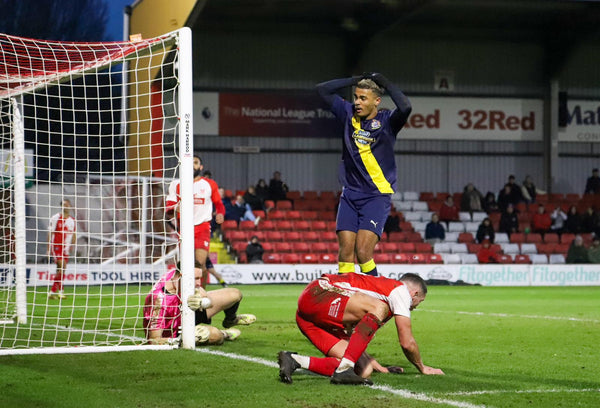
61	238
340	314
162	310
206	194
368	168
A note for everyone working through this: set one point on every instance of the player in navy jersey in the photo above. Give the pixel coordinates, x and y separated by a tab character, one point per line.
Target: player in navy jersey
367	170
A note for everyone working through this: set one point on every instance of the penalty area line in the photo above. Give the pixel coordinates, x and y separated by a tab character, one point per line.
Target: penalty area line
572	319
547	391
401	393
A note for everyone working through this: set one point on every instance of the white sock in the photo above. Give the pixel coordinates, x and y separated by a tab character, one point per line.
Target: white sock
344	365
304	361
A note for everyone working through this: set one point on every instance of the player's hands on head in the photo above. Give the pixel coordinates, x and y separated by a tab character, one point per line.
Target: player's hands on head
198	301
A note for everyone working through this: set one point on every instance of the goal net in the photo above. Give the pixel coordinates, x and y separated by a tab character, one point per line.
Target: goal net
96	132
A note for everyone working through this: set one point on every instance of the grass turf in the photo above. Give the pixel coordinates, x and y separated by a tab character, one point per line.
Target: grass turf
499	347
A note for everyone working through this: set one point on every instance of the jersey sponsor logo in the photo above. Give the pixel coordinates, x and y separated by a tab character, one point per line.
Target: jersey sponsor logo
375	124
334	307
362	137
199	200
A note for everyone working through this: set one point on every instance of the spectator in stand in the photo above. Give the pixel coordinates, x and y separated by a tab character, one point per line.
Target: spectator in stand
485	254
515	190
485	231
594	251
509	222
449	211
578	253
506	197
573	223
434	231
254	251
392	223
529	190
592	186
589	221
541	221
489	203
471	200
253	200
559	218
242	211
230	213
277	188
262	190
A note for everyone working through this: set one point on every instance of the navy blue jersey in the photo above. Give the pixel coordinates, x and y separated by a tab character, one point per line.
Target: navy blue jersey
368	164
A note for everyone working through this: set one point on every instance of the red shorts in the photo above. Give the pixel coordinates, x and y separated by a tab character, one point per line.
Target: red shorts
202	236
319	316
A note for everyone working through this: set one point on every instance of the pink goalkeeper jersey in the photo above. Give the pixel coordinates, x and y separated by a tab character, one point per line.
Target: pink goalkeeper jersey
161	309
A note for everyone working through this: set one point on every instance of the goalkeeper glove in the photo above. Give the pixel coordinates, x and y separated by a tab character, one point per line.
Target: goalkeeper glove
197	301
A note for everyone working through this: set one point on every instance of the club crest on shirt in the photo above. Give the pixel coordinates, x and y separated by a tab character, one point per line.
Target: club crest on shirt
375	124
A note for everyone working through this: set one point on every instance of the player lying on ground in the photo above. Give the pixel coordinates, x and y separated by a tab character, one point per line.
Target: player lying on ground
340	314
162	311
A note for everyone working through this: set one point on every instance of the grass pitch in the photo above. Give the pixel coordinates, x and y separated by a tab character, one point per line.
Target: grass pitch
499	347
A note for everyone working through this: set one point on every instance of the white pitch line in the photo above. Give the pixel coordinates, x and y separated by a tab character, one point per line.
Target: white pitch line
402	393
573	319
553	390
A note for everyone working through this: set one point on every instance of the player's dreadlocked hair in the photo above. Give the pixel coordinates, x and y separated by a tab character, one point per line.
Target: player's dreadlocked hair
370	84
414	279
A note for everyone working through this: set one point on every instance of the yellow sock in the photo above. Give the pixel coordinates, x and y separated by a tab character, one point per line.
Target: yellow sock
369	267
345	267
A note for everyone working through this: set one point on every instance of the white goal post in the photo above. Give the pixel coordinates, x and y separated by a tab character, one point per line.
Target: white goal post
104	127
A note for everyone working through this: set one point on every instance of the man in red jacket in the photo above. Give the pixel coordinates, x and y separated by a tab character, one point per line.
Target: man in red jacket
541	221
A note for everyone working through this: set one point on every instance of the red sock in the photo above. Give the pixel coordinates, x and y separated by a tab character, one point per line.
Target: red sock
54	286
323	365
363	333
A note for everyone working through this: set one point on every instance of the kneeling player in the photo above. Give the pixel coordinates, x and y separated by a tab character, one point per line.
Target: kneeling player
340	314
162	311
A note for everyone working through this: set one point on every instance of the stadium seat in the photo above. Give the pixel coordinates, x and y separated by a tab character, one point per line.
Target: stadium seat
273	257
458	248
261	235
404	206
274	235
466	237
517	237
522	259
236	235
259	213
266	225
328	195
301	225
545	249
528	248
318	247
561	248
435	206
311	236
480	216
310	195
242	258
284	225
400	258
388	246
239	246
267	246
567	238
441	196
413	237
397	236
309	258
406	226
423	247
434	259
333	246
303	205
464	216
557	259
229	224
277	215
328	236
282	246
310	215
293	195
247	225
451	258
420	206
294	215
419	226
328	258
417	258
426	216
474	247
300	247
269	205
472	226
381	258
468	259
283	205
501	238
539	258
410	196
451	237
411	216
441	248
318	225
510	248
292	236
504	259
290	258
406	247
533	238
426	196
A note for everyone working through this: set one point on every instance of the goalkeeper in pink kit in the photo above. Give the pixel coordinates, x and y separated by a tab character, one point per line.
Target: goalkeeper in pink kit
162	311
340	314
